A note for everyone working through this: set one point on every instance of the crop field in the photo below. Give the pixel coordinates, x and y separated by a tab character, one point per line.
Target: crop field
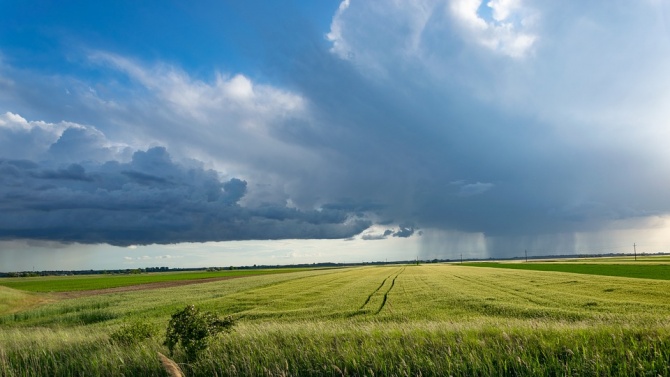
643	271
92	282
640	259
433	319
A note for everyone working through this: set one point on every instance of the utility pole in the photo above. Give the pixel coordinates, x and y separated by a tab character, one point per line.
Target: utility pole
461	258
634	251
526	251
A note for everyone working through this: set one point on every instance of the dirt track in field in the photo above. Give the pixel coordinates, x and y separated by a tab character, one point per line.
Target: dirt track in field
142	287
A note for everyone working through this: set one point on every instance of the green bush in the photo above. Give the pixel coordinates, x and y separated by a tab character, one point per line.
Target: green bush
192	329
132	333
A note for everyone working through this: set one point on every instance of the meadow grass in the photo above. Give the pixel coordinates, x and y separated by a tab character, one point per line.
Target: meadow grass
103	281
396	320
12	300
342	348
643	271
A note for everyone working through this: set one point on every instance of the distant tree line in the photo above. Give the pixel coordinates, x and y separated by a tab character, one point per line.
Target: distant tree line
310	265
83	272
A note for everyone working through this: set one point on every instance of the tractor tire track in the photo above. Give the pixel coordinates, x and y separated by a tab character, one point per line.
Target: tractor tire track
373	292
389	290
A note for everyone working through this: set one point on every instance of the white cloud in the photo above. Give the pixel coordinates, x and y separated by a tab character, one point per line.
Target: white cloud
510	31
502	9
340	46
16	122
60	142
367	32
361	31
234	96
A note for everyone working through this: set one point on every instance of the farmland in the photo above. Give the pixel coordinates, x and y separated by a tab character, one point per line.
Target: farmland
91	282
435	319
643	271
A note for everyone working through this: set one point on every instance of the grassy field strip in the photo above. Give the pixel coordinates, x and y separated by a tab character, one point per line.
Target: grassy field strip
94	282
12	300
648	271
641	259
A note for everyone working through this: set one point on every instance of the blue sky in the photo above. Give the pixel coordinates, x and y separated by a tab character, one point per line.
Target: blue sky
159	133
202	37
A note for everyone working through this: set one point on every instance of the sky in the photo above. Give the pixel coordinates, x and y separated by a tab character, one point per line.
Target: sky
159	133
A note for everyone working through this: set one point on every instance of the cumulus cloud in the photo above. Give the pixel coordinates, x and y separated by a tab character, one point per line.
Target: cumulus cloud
62	141
404	231
28	140
508	31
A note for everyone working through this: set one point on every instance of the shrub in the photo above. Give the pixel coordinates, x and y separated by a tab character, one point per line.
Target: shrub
192	329
132	333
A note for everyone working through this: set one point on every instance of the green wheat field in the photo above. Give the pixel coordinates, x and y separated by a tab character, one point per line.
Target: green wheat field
428	320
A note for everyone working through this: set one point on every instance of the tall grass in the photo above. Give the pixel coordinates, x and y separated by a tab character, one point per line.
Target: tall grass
316	348
12	300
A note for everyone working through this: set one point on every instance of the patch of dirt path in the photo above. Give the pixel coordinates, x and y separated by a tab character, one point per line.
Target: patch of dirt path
142	287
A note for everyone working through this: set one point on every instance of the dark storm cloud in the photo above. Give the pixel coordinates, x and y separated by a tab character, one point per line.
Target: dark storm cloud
73	172
404	231
150	199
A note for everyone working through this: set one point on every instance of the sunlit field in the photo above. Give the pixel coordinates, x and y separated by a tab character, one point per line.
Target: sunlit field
106	281
432	319
643	271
